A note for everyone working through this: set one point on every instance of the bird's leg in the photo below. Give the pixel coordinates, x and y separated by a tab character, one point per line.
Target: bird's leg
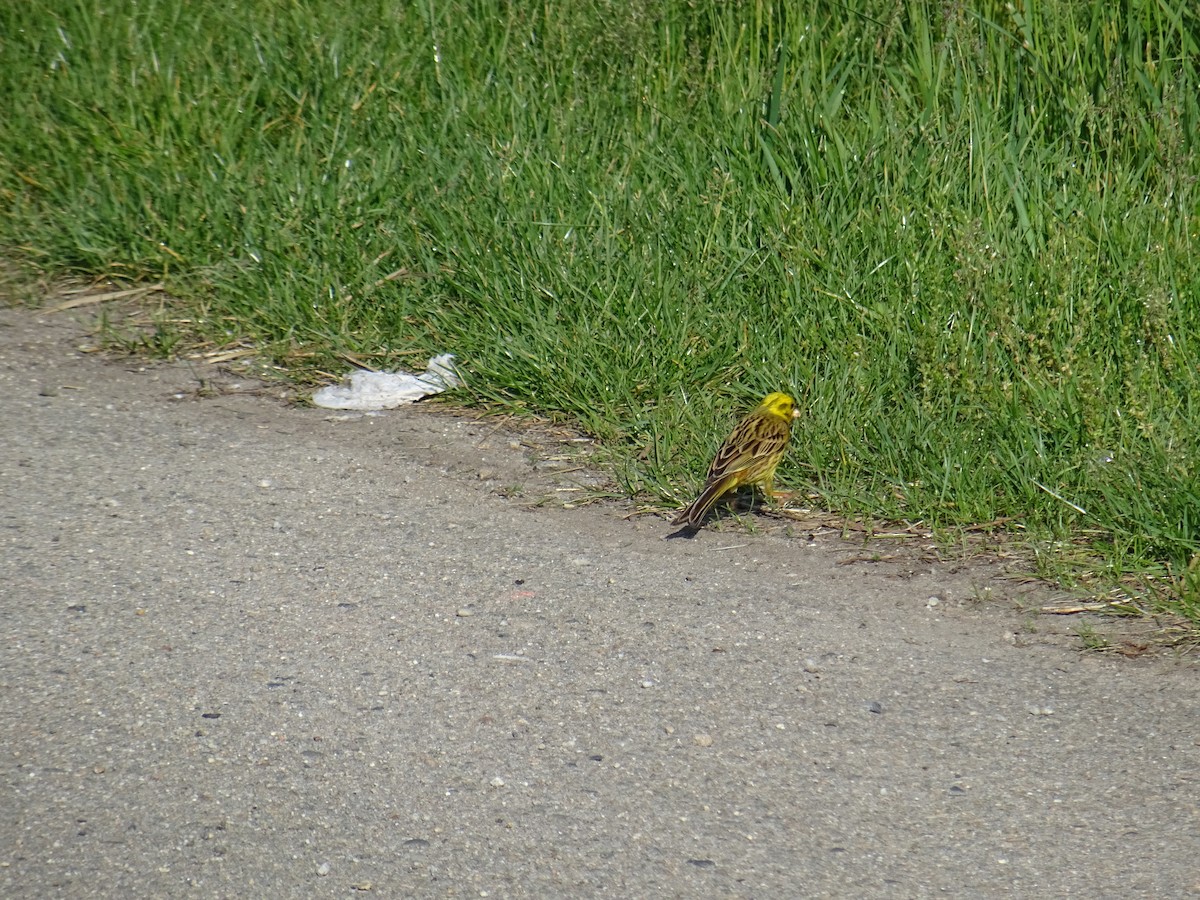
776	498
773	496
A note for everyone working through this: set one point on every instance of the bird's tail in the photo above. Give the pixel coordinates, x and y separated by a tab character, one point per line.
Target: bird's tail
693	515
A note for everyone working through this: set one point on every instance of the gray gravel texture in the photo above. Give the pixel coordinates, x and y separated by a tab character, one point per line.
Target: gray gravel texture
253	649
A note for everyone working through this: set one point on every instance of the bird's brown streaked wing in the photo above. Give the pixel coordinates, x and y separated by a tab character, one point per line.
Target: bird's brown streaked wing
754	439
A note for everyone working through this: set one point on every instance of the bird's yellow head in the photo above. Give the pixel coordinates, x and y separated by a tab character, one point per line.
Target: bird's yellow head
779	404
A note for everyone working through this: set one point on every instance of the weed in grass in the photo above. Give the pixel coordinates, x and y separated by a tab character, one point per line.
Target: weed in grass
1090	638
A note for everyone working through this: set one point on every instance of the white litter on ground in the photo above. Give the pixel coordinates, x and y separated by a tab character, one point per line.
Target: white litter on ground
387	390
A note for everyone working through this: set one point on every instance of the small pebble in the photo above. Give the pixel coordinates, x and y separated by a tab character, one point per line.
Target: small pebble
323	869
497	782
810	666
1035	710
464	613
703	740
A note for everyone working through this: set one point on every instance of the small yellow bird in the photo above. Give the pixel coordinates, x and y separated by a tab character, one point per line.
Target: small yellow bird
749	456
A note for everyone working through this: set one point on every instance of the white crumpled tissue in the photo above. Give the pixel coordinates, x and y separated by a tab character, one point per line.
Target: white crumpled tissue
386	390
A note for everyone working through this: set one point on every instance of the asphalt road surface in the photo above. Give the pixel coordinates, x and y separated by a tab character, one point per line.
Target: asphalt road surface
253	649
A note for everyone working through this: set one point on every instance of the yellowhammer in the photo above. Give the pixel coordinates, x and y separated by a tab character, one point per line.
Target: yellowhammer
748	456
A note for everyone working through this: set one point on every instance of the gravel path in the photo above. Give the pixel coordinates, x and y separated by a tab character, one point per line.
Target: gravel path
257	650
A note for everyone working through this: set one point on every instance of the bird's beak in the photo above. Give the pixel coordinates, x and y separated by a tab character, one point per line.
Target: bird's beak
795	413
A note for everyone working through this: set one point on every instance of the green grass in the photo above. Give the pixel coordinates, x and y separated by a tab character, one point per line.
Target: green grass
967	236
